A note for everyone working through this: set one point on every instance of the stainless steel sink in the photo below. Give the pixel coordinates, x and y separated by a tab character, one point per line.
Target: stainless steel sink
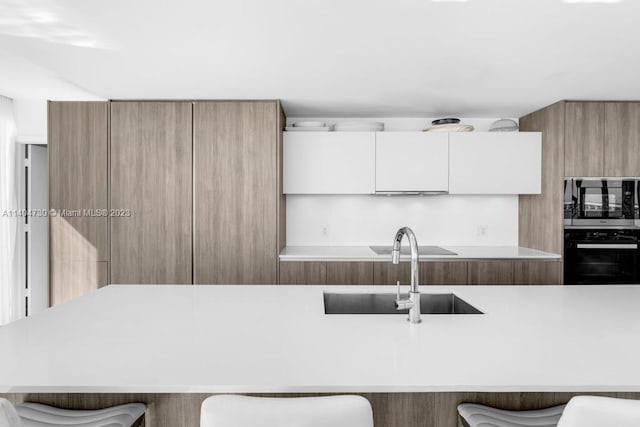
422	250
344	303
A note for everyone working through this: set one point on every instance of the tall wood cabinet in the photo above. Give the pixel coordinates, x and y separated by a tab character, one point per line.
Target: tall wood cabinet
602	139
151	192
584	136
621	139
540	216
236	181
183	192
78	183
580	139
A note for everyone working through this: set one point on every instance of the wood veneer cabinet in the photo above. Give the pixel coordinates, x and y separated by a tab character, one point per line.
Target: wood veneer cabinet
490	273
143	166
584	139
350	273
78	184
386	273
621	139
433	409
472	273
444	273
368	273
237	147
537	272
303	273
431	273
326	273
602	139
540	216
578	139
151	178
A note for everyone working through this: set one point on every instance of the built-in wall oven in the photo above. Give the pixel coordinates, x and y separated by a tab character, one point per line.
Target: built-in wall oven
604	256
601	236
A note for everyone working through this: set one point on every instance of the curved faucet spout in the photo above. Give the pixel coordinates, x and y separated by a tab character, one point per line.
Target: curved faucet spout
415	256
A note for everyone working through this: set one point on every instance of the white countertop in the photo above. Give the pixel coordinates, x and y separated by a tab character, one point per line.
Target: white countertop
277	339
463	253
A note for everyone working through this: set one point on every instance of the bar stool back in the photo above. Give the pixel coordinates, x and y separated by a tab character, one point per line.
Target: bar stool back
8	415
596	411
474	415
245	411
38	415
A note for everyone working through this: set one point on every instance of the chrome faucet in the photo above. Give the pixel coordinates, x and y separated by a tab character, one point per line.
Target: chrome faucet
413	302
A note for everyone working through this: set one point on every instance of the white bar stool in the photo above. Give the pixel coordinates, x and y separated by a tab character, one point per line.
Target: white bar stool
581	411
595	411
38	415
8	415
245	411
474	415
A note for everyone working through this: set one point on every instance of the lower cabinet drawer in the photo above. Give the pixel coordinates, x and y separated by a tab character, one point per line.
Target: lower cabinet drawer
350	273
537	273
515	273
325	273
490	273
431	273
303	273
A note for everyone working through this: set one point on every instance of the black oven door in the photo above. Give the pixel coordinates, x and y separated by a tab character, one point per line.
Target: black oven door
589	262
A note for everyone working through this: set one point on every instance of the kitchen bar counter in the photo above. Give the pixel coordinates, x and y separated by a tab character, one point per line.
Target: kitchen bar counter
277	339
463	253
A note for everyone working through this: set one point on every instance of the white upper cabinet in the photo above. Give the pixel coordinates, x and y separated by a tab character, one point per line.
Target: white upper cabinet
329	162
412	162
495	163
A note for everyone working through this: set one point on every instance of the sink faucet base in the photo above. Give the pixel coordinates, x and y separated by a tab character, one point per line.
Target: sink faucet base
414	314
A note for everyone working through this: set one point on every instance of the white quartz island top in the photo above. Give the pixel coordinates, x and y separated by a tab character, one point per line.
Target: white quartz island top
181	339
462	253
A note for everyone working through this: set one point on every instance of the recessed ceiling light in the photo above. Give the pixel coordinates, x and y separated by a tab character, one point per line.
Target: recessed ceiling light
449	1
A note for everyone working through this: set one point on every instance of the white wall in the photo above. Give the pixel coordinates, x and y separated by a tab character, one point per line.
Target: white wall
11	225
31	120
366	220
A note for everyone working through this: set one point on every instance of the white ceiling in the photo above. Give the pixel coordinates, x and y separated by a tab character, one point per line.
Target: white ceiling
482	58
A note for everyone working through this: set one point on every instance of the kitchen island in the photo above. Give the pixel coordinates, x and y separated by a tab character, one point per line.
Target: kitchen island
196	340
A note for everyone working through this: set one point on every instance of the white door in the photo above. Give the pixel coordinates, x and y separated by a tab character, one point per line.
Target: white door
412	162
495	163
329	163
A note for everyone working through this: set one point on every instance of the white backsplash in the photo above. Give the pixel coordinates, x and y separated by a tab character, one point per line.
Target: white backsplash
319	220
